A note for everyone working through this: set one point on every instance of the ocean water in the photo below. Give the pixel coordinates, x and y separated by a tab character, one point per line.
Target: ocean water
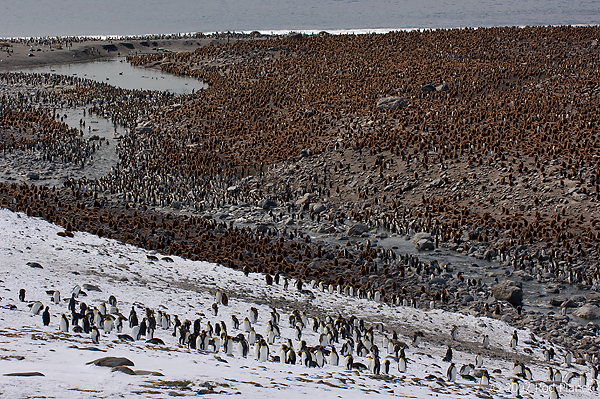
26	18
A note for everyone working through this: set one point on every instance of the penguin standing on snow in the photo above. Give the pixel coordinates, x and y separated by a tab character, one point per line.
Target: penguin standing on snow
402	364
451	372
246	325
72	303
95	334
46	316
485	378
448	357
386	366
64	323
334	358
133	319
253	315
515	340
479	360
36	307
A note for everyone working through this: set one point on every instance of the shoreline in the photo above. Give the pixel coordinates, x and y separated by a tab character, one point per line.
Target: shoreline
16	55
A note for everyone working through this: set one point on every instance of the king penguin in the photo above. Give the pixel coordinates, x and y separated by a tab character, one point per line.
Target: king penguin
64	323
95	335
386	366
448	357
451	372
46	316
402	364
334	358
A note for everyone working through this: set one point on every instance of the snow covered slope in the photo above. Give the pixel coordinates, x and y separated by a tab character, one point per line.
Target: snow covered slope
176	286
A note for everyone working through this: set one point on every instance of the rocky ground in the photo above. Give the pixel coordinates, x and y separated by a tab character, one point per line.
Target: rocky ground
338	207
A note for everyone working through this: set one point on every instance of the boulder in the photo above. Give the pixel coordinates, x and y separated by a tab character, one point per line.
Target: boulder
111	361
421	236
267	204
442	87
557	300
509	291
425	245
588	312
319	207
91	287
391	103
428	88
306	198
357	230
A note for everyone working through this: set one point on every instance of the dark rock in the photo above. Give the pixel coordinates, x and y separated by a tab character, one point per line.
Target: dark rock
267	204
467	298
147	372
34	265
557	300
509	291
425	245
91	287
442	87
33	176
428	88
391	103
319	207
25	374
123	369
423	242
357	230
110	361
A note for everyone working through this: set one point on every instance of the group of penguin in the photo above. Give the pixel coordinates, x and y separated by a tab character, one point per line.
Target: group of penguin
105	317
357	340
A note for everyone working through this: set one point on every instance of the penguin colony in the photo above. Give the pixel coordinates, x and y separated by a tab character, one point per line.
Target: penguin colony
215	150
347	343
